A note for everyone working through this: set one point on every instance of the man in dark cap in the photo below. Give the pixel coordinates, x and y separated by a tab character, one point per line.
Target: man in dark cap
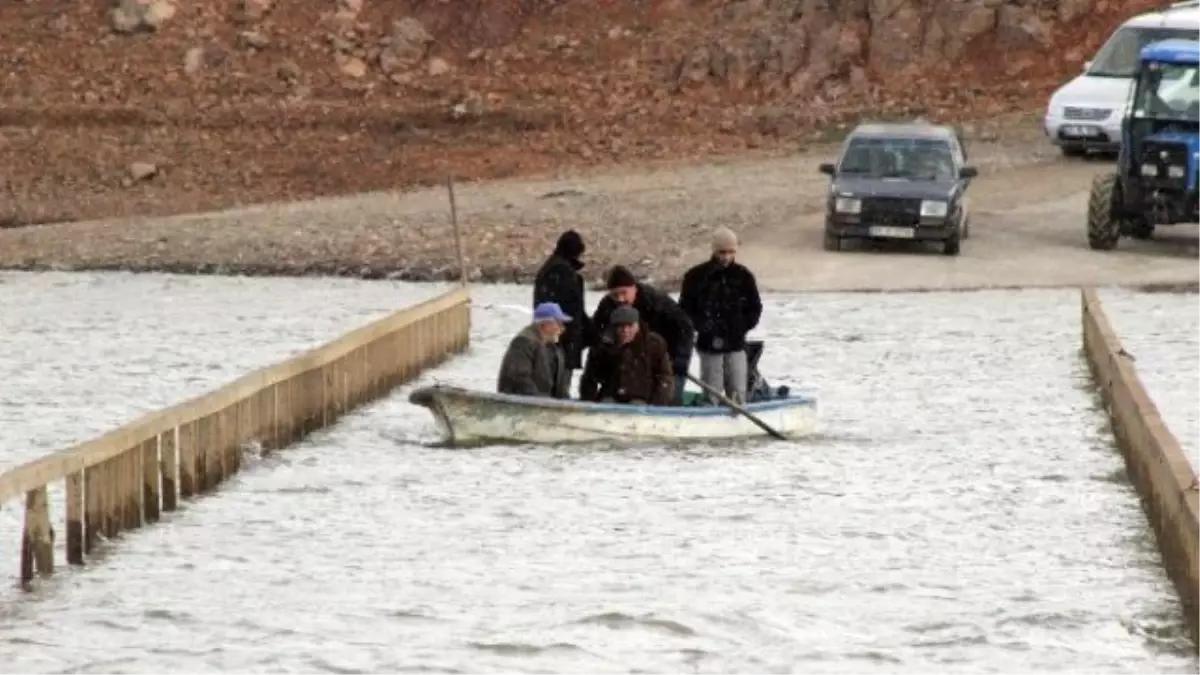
633	368
559	281
658	312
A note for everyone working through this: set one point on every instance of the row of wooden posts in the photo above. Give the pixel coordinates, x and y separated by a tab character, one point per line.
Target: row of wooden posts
128	477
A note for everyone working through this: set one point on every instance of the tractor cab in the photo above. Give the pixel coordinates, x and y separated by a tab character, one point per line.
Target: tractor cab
1155	182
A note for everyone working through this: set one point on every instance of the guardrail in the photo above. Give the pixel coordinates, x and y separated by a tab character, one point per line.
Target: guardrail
1157	466
127	477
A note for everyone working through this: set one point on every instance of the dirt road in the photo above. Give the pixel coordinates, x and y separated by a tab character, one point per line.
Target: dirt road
1027	229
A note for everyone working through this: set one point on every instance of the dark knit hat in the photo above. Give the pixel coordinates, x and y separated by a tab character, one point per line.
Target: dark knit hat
570	245
620	276
624	315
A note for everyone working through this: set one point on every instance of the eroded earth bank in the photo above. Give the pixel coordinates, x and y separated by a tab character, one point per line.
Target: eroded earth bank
640	124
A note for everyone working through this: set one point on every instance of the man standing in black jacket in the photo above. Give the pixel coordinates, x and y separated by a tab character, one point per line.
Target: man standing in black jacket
721	298
657	310
559	281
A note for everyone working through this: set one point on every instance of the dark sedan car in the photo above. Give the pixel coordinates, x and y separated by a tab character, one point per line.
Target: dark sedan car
899	181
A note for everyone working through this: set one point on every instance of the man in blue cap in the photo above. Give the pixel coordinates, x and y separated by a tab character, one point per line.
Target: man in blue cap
533	364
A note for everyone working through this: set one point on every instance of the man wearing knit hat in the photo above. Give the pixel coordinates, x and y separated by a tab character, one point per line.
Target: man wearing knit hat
721	297
559	281
657	311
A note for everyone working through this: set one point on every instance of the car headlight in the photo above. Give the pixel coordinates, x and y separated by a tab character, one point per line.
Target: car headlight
1175	171
1149	170
848	205
933	208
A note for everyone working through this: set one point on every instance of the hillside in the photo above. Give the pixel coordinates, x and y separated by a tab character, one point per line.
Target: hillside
153	107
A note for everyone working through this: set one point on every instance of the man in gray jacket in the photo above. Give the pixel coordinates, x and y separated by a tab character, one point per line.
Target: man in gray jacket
533	364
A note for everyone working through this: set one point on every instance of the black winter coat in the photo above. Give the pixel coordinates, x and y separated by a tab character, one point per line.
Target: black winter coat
559	281
723	303
663	316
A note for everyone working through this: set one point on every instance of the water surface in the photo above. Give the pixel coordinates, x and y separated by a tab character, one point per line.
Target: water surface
963	509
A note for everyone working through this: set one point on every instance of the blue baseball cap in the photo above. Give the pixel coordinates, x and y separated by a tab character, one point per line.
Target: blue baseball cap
549	311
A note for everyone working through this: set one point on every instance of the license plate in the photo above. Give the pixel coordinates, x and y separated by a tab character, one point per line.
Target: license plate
1080	130
892	232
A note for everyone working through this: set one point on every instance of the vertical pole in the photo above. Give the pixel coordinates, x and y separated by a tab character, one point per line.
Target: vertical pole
458	246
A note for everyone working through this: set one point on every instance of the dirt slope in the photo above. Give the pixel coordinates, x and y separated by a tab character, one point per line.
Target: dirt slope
228	102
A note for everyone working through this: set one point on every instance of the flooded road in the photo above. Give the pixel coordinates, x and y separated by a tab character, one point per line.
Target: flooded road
963	508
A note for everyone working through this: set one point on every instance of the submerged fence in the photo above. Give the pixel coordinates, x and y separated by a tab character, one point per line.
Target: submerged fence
127	477
1157	466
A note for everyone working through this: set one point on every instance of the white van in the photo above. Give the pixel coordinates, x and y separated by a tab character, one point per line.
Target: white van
1085	113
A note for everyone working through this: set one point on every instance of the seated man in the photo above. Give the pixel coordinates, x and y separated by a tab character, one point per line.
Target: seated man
630	365
533	364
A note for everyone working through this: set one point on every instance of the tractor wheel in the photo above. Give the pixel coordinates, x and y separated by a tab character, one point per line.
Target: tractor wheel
1103	226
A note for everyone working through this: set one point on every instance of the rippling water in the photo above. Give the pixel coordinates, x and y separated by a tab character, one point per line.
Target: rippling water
963	510
1162	331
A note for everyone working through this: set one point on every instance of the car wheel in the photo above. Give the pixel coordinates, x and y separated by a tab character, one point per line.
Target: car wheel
966	228
832	242
1073	151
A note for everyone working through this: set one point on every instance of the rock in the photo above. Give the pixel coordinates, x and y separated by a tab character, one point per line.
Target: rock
470	107
352	66
1069	10
253	39
405	46
1021	27
131	16
251	11
140	171
193	60
438	67
288	70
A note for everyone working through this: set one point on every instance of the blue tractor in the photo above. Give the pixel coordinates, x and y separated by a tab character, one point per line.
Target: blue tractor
1156	173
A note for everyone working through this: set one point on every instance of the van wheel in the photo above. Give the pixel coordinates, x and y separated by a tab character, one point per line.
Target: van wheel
832	242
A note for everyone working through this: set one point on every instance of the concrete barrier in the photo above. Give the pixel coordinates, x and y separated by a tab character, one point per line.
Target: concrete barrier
127	477
1156	464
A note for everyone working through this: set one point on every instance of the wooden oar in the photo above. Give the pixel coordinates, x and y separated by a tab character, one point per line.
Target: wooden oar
737	408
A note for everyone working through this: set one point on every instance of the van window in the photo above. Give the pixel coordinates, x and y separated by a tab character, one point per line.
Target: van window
1119	56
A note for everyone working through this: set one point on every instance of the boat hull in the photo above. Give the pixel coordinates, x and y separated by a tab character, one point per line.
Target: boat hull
466	417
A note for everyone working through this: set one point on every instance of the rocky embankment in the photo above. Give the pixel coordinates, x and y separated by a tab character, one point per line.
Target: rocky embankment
156	107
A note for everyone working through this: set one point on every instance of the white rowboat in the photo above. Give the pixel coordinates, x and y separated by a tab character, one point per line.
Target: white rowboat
469	416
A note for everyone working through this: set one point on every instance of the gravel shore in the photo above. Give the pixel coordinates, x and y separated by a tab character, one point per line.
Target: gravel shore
654	219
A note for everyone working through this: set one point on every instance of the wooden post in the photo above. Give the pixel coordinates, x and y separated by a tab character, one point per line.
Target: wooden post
37	542
94	512
188	486
75	520
150	473
458	246
220	446
170	462
203	443
132	459
111	479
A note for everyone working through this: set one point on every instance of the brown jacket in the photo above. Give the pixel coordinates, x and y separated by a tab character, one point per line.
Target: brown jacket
533	368
639	371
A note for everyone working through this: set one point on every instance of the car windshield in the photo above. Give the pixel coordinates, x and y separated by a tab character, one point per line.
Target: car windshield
1119	56
913	158
1168	91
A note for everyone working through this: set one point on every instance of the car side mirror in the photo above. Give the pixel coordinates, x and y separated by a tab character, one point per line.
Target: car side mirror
826	168
968	172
